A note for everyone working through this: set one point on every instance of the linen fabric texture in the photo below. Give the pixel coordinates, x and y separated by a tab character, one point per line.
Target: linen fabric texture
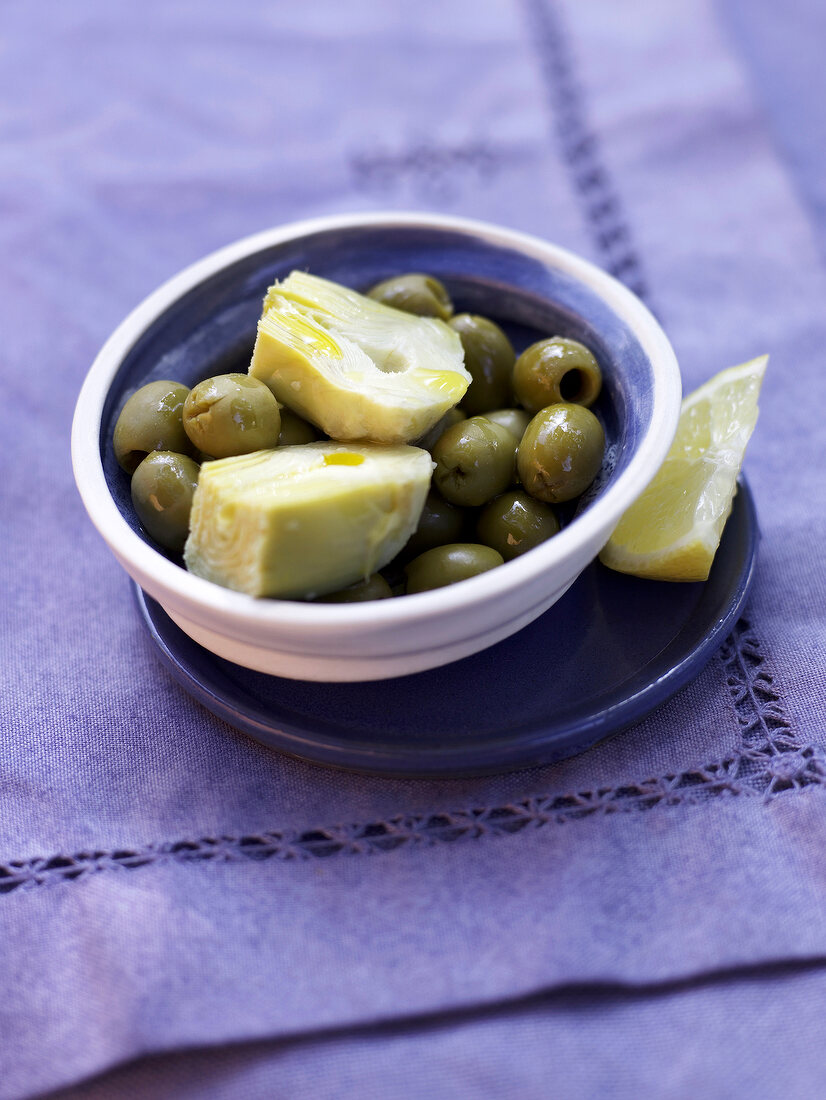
184	913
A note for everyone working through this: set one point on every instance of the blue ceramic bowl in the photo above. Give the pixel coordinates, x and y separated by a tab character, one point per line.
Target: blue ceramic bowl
203	322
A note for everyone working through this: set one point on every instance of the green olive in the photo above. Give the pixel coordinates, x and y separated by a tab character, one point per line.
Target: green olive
295	430
162	489
560	453
420	294
515	522
448	564
439	523
474	461
151	420
451	417
515	420
489	357
232	414
374	588
556	370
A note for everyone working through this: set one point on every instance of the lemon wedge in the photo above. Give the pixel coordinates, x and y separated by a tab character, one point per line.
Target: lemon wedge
672	531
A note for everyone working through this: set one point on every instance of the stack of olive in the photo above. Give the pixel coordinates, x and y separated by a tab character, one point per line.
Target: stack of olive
522	440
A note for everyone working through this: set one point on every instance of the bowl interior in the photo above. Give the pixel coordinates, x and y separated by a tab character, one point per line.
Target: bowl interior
211	328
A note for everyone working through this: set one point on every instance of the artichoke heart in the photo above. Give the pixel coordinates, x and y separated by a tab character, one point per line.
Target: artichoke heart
358	369
298	522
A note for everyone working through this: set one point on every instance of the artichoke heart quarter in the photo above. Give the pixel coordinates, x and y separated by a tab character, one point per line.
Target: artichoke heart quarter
358	369
298	522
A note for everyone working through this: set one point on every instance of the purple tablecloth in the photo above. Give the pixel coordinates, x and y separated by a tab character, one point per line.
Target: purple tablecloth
657	923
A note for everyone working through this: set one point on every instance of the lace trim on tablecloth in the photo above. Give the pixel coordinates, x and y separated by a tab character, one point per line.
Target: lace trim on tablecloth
770	762
595	189
771	759
435	172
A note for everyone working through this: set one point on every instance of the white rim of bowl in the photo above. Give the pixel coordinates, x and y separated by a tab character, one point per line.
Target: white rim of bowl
159	575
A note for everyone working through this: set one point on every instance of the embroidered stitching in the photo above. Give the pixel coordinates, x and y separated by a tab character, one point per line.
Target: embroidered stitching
772	761
581	150
772	758
432	169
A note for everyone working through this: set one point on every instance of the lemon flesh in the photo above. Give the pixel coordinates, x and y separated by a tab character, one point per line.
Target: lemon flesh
356	368
672	531
298	522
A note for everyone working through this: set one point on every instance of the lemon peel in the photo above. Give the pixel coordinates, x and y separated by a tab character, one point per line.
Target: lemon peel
672	531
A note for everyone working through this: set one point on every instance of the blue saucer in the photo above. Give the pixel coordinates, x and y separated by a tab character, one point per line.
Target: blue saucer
612	649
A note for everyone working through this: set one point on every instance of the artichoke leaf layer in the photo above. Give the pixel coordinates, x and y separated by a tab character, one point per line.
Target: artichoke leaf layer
298	522
358	369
